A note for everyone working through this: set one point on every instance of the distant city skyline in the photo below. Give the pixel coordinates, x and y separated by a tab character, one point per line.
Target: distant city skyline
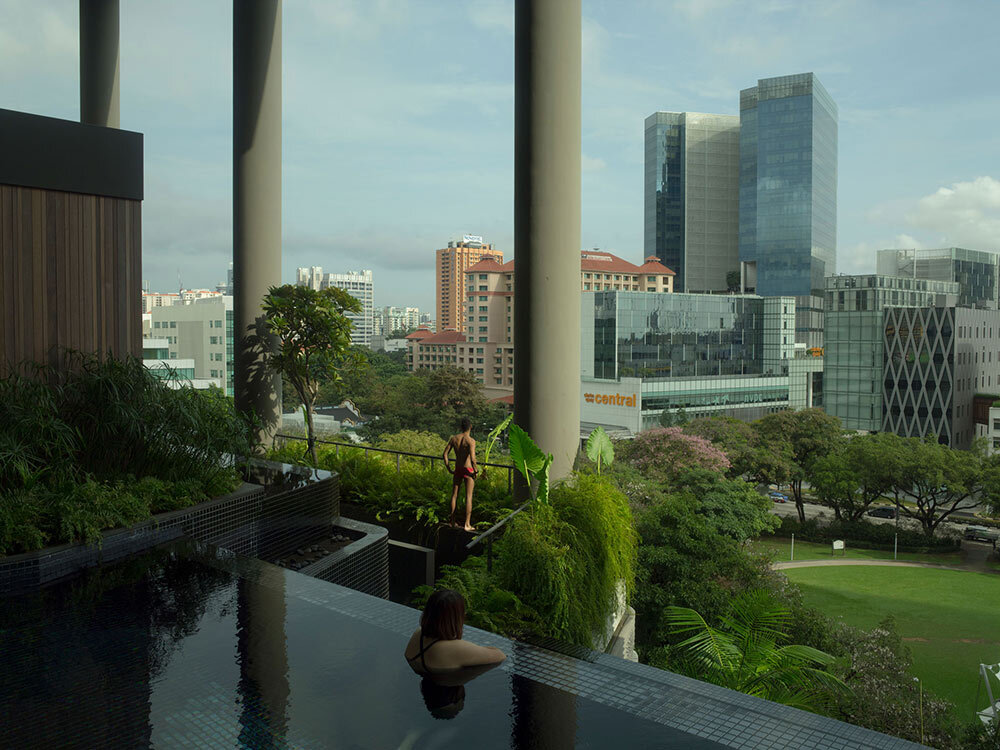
415	147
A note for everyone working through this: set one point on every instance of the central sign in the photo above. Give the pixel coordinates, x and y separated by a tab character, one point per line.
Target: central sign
610	399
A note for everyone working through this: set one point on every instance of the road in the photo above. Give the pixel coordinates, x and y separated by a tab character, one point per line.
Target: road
826	514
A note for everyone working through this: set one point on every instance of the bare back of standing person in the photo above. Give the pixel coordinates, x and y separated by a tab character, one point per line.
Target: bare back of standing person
464	471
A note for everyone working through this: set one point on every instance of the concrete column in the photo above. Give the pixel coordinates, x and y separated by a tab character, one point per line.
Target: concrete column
99	99
547	51
256	201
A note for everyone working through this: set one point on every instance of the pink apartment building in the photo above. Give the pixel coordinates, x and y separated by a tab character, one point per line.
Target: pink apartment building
487	347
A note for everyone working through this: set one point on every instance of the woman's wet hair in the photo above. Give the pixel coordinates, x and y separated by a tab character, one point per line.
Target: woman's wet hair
444	615
466	424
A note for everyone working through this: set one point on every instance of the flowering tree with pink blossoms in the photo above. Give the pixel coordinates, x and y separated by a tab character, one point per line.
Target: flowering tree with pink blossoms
666	452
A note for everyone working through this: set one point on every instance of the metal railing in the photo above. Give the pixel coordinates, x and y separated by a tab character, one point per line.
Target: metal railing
488	535
430	459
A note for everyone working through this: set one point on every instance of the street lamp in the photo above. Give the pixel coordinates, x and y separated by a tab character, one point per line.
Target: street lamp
920	686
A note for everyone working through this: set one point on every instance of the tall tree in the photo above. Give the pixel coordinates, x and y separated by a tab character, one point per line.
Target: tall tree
314	337
734	437
934	481
857	473
806	435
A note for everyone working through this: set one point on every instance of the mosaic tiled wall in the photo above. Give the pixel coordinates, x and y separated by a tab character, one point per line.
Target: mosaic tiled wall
254	521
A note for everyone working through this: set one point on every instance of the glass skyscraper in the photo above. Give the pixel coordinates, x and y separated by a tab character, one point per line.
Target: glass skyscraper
691	196
788	194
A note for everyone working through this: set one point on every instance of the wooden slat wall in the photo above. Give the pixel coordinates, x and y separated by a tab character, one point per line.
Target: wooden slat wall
70	275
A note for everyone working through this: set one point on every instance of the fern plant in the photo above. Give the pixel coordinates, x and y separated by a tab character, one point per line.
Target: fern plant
747	652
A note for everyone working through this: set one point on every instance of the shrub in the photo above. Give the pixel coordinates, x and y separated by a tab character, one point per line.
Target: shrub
884	695
487	606
566	560
418	491
558	568
413	441
73	442
865	535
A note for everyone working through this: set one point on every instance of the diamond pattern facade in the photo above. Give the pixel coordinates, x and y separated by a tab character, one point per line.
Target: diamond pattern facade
936	359
918	374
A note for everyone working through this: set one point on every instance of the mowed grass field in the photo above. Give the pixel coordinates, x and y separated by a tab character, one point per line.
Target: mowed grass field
780	550
949	619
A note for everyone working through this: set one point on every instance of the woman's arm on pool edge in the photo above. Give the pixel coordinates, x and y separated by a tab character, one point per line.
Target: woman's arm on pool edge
471	655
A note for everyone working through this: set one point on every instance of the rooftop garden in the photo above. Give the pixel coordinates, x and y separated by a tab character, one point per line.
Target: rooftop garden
102	444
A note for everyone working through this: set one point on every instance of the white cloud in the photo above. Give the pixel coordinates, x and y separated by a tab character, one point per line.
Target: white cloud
592	163
967	214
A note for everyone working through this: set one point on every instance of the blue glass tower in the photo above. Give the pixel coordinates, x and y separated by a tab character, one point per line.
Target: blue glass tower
788	194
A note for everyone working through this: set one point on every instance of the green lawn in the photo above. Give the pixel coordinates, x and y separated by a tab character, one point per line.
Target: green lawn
780	550
952	616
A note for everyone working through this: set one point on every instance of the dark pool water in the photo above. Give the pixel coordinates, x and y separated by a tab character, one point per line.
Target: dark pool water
188	646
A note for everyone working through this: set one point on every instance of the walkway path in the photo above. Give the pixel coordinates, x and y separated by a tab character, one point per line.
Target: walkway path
886	563
976	557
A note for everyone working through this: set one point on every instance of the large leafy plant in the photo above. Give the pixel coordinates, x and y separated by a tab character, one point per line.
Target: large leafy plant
532	463
599	448
493	438
748	652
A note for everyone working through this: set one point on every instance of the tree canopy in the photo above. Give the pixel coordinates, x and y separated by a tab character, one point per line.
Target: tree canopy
803	436
314	336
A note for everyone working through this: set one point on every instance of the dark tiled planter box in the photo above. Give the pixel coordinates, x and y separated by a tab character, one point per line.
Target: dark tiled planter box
363	565
256	521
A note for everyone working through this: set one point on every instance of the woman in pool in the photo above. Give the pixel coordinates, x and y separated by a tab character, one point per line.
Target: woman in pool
437	648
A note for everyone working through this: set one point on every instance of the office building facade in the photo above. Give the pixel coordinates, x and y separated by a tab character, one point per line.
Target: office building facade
201	332
854	351
691	192
936	360
359	284
977	272
450	266
788	194
703	354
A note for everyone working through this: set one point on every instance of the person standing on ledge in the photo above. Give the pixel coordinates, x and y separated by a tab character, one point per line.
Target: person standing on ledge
464	471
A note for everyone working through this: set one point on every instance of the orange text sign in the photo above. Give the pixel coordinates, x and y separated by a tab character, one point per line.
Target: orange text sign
610	399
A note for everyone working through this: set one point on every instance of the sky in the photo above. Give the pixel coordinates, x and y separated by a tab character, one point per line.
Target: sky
398	119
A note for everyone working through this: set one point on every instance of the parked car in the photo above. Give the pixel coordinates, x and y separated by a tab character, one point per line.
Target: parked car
778	497
981	533
882	511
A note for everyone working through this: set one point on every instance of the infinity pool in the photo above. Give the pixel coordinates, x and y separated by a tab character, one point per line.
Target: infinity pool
189	646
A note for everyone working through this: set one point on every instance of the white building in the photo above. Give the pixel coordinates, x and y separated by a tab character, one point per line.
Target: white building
201	331
152	300
389	319
358	284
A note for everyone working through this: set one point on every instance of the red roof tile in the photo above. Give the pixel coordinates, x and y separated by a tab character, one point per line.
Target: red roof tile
420	333
590	260
445	337
488	263
653	265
